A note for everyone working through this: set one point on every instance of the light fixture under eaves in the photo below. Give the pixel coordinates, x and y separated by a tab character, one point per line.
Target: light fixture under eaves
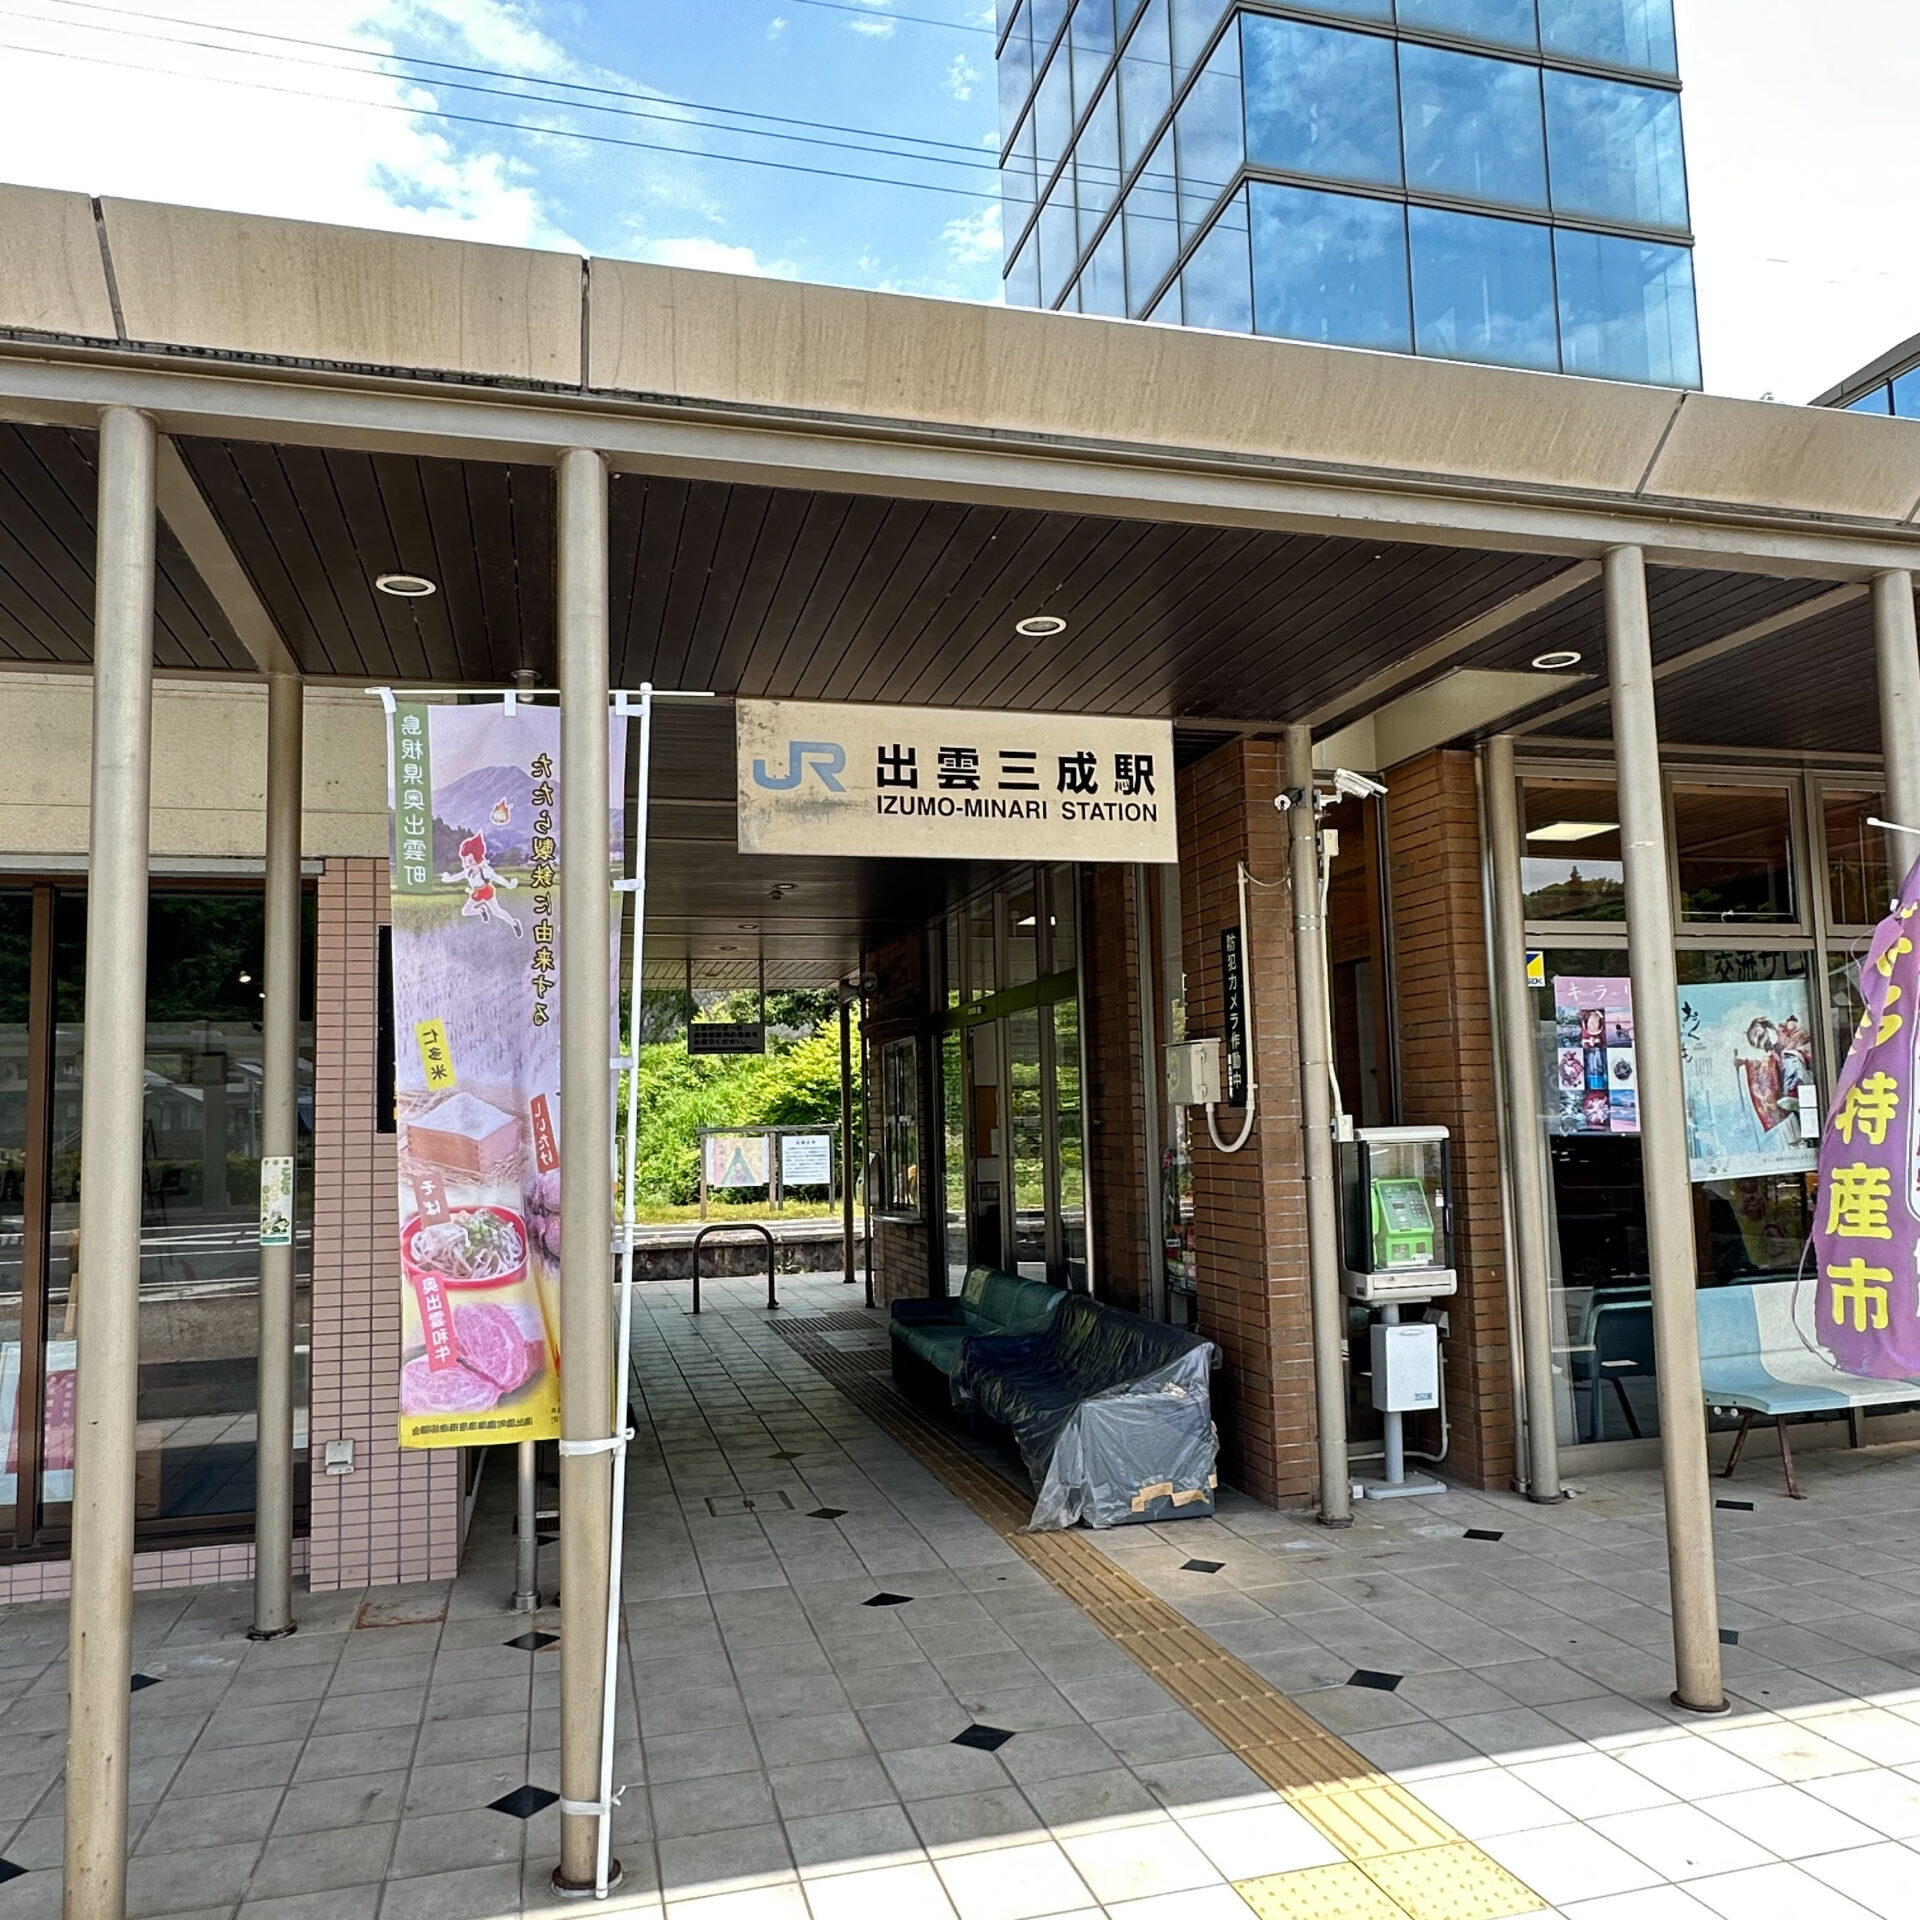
1574	830
1040	626
1553	662
406	586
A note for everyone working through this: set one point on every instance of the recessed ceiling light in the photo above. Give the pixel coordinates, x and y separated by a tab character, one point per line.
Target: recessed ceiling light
1574	830
1040	626
406	586
1552	662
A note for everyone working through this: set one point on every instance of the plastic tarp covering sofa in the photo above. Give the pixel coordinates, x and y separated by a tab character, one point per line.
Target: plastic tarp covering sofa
1111	1413
933	1333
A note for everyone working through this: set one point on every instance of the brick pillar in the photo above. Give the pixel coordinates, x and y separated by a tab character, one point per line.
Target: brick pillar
1250	1207
1443	1015
396	1516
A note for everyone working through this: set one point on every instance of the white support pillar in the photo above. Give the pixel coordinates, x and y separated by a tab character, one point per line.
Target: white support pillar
1663	1135
586	1188
1897	663
1316	1124
100	1654
279	1127
1523	1121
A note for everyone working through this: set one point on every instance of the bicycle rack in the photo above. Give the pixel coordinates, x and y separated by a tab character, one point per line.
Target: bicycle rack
733	1226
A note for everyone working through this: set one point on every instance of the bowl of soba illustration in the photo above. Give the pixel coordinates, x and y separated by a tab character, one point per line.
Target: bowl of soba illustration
481	1246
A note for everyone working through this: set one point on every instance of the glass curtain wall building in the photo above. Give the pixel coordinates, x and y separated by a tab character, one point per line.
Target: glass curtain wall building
1887	386
1492	180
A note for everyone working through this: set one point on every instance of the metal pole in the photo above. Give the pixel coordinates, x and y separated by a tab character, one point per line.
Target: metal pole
1663	1140
1897	661
1151	1204
1316	1123
526	1531
586	1300
846	1133
279	1121
1523	1122
112	1097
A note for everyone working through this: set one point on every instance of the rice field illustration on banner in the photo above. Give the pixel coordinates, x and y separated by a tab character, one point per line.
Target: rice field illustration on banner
475	793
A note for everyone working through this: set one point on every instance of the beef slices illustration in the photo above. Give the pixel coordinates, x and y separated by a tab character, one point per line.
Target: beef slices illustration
451	1390
493	1358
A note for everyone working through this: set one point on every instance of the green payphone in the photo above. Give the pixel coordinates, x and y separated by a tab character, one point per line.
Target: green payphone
1395	1243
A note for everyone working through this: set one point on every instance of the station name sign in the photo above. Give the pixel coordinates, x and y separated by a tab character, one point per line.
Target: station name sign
940	783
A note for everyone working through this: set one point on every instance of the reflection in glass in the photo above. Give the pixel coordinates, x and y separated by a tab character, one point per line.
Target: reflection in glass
1022	283
1880	400
1090	33
1146	83
1215	286
1329	267
1103	281
1015	69
1153	228
1616	151
981	979
1859	884
1053	114
1059	235
1320	101
900	1124
1734	851
1193	25
1017	184
1903	394
16	968
1048	18
1570	868
1502	23
953	1159
1023	932
1209	135
1612	33
1627	309
1472	126
1096	164
1071	1174
1026	1117
1845	1008
1482	289
1063	920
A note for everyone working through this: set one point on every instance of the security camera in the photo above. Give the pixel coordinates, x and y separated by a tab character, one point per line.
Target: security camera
1356	786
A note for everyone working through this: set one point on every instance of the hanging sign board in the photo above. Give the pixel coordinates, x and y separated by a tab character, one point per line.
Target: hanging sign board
806	1159
1233	987
937	783
726	1036
736	1159
476	992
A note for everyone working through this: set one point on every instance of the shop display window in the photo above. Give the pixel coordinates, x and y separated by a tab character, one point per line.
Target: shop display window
1859	882
1570	868
1733	850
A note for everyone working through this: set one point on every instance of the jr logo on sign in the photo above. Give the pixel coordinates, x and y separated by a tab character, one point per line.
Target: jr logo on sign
826	759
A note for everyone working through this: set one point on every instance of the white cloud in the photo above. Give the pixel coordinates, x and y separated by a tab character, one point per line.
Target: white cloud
776	26
874	29
972	237
962	77
1804	173
713	256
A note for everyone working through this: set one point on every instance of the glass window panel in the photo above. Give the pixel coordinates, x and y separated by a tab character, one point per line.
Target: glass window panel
1733	846
1146	83
1570	863
900	1124
1091	36
1216	291
1845	1008
1350	9
1015	70
1501	23
1320	101
1905	394
16	967
1859	884
1123	15
1209	134
1023	934
1472	126
1614	33
1616	151
1059	239
1880	400
1330	267
1152	223
981	960
1482	289
1071	1175
952	965
1627	309
1022	285
1062	919
1053	114
1016	185
1096	163
1193	25
1103	283
1049	16
1027	1127
953	1158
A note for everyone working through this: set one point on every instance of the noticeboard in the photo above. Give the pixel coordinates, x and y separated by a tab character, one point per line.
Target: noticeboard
726	1036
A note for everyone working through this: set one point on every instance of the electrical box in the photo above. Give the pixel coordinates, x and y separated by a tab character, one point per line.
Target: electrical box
1193	1073
1406	1366
1395	1231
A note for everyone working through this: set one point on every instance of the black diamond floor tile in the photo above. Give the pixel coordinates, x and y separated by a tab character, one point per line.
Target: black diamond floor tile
1729	1637
1735	1506
887	1600
827	1513
143	1680
533	1642
783	1456
523	1802
987	1739
8	1871
1201	1566
1484	1533
1380	1682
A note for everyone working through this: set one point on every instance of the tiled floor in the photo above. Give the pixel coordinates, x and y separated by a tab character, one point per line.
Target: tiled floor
793	1752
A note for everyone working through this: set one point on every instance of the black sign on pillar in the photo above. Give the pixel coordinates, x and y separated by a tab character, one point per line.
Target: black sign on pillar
1233	982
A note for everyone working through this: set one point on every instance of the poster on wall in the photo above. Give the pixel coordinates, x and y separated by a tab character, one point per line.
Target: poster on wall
56	1444
476	1003
1596	1088
1746	1049
806	1159
736	1159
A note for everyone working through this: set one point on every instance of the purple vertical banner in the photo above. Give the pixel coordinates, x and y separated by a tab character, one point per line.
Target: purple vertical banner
1867	1223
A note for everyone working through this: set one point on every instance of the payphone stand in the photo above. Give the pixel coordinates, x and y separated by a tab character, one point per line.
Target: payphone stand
1395	1251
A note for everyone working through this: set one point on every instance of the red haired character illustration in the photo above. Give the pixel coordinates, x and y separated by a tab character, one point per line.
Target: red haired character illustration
481	882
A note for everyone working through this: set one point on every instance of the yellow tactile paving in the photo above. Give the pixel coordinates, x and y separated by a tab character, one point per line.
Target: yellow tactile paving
1403	1861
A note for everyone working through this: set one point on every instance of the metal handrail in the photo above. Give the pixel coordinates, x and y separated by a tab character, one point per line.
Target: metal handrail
734	1226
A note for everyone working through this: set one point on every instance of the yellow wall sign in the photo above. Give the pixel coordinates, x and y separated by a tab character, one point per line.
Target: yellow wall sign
436	1057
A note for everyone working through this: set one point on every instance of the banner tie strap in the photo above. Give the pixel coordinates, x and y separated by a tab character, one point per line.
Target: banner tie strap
593	1809
576	1449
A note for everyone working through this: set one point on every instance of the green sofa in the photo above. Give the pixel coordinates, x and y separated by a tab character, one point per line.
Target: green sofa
930	1336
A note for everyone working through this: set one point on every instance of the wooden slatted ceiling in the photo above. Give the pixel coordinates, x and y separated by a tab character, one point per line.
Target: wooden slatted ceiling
48	489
